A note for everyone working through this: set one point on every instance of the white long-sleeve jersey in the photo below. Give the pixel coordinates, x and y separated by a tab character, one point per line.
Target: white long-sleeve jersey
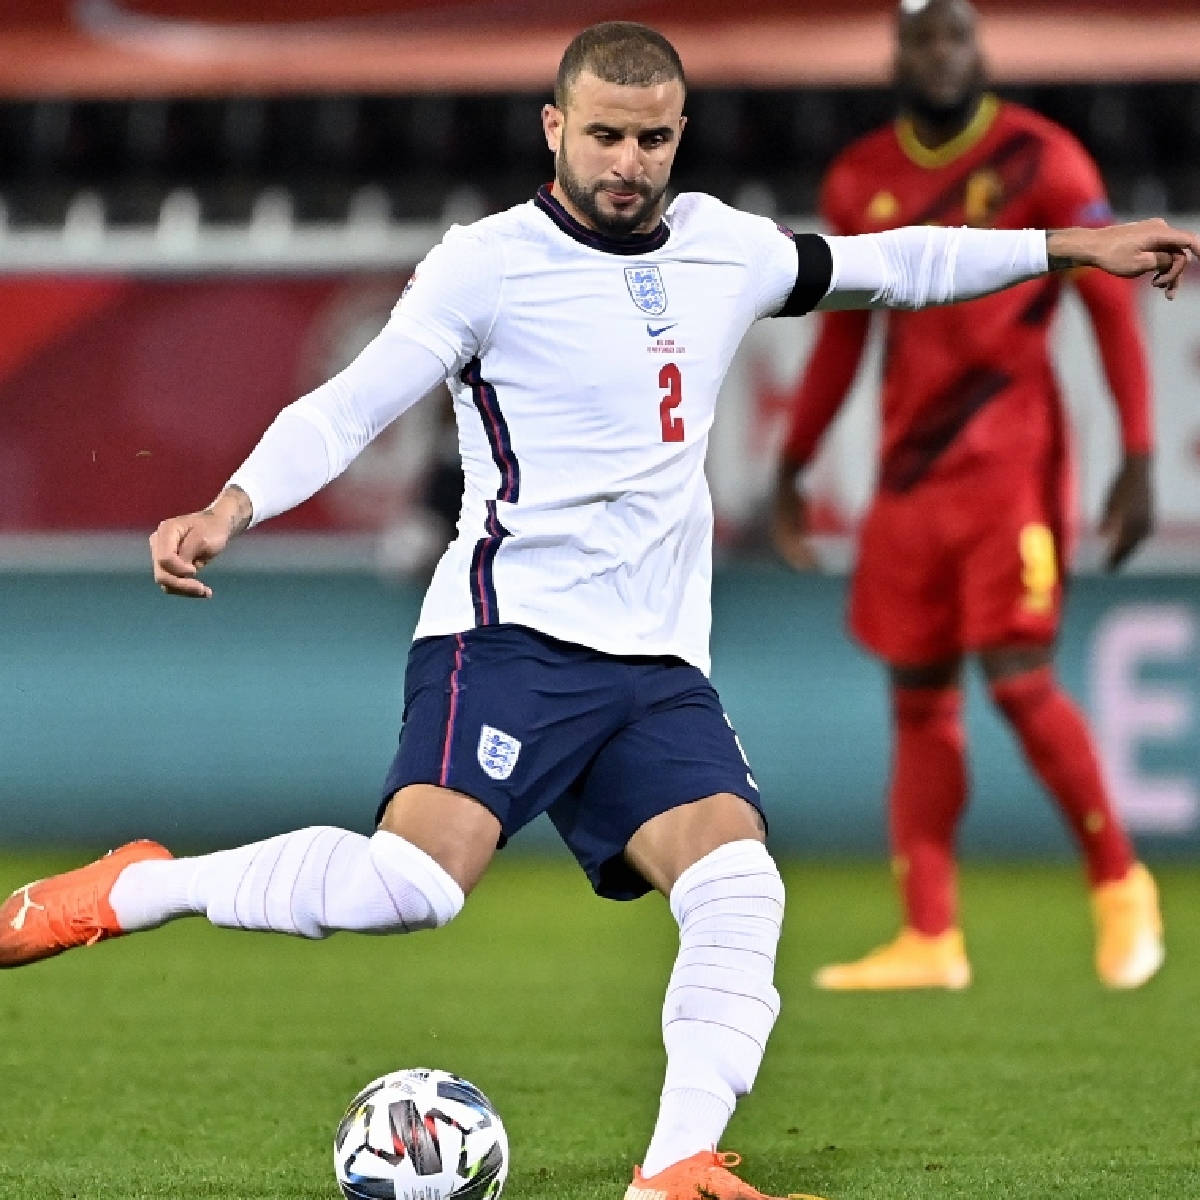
585	372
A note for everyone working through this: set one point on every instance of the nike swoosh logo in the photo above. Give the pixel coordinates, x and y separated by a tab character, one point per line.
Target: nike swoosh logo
661	329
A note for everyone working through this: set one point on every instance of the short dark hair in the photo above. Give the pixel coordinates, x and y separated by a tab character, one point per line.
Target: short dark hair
618	52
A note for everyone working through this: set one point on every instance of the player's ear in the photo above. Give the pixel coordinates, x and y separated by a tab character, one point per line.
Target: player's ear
553	120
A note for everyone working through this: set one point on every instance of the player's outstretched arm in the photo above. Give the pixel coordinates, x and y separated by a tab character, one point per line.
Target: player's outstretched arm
1135	248
180	546
915	266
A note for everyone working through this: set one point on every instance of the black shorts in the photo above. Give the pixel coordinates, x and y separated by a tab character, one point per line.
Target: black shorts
527	724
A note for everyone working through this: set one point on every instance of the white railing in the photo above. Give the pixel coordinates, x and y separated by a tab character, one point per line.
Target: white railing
180	242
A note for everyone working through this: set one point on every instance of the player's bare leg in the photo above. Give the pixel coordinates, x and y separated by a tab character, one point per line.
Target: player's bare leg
669	844
709	860
454	829
926	797
1059	748
430	850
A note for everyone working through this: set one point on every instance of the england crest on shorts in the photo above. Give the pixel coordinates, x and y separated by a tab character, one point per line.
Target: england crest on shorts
646	286
497	752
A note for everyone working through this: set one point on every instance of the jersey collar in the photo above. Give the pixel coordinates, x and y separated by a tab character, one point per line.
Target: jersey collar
636	243
942	155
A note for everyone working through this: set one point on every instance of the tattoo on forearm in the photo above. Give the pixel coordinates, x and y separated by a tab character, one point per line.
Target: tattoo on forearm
1056	262
243	510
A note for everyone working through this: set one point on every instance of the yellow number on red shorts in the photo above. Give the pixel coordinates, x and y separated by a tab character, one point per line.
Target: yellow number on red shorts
1039	567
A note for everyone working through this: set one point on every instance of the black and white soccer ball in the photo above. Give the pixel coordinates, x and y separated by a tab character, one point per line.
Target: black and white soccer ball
420	1134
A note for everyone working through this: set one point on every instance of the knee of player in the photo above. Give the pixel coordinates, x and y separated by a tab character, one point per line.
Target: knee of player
423	893
737	879
439	913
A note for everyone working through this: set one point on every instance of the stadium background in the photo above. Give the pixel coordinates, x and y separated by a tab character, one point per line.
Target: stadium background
207	206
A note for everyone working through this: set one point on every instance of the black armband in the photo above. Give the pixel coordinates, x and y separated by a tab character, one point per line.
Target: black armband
814	274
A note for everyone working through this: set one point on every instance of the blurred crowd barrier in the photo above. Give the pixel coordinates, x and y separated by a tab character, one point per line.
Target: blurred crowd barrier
277	703
158	174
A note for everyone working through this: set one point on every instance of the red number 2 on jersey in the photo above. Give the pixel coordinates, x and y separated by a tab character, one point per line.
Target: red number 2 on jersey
670	380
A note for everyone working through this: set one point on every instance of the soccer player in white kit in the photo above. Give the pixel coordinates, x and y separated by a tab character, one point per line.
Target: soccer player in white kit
560	658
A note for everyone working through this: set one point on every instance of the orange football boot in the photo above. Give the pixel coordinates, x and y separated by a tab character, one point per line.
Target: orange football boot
912	960
48	916
704	1176
1129	929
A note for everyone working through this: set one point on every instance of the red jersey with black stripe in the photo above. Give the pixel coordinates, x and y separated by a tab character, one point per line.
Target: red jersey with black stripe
970	386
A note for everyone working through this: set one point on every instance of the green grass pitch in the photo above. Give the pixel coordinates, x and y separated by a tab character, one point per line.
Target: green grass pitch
194	1062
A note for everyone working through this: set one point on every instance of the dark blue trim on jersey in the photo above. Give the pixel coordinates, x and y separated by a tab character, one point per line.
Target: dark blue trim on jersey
635	243
483	583
496	428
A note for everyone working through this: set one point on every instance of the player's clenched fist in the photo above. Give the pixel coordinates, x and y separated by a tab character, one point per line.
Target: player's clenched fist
180	546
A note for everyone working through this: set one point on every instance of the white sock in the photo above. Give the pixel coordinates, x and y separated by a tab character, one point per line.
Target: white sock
721	1004
311	882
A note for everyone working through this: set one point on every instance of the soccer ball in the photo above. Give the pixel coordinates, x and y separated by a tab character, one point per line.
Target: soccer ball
420	1134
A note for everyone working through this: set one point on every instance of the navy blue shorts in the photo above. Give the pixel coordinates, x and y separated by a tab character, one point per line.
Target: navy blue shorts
527	724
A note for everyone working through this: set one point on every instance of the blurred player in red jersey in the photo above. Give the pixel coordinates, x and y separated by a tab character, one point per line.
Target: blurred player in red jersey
962	551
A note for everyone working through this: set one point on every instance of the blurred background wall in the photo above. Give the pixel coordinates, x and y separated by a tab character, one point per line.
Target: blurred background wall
207	206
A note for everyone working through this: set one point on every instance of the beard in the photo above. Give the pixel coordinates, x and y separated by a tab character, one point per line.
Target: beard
587	200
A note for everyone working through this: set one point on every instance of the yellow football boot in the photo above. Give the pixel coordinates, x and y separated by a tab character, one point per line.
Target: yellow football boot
913	960
1129	929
